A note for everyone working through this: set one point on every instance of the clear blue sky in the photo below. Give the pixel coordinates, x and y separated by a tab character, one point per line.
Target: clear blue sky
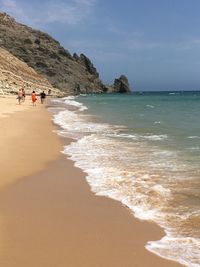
156	43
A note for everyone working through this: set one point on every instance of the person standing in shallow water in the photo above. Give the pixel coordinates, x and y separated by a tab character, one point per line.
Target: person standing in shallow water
42	97
34	98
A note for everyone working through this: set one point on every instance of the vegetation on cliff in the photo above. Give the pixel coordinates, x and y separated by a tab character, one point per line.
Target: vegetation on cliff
72	74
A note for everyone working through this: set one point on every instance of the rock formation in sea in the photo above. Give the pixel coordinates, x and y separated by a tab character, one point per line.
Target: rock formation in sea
72	74
121	85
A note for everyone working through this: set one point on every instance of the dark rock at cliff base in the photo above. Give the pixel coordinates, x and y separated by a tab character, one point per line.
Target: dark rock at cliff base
71	74
121	85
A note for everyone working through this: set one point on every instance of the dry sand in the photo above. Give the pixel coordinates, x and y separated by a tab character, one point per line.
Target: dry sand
48	215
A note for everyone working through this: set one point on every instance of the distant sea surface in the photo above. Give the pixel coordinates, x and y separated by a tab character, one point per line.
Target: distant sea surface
142	149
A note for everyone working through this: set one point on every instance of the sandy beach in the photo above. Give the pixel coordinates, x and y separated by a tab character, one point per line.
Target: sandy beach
48	215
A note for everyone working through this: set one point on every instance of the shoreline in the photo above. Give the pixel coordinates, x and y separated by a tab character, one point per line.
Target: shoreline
50	216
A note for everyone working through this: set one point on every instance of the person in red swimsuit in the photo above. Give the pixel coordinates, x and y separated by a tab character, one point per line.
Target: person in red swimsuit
34	98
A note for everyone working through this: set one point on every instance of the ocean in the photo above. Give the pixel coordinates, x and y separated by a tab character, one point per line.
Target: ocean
142	149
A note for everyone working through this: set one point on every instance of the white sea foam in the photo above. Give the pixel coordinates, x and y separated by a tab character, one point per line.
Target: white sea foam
172	248
131	186
140	137
57	100
155	137
128	167
150	106
193	137
125	136
71	97
75	126
76	104
162	191
174	93
71	102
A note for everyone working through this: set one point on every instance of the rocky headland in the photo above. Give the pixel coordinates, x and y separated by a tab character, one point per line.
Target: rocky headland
71	74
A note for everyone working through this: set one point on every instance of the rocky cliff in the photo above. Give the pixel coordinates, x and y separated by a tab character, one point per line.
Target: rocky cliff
15	74
71	74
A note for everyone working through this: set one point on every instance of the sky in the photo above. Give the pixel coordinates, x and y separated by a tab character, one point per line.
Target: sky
155	43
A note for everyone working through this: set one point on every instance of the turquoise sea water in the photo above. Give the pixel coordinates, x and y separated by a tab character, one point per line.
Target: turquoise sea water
142	149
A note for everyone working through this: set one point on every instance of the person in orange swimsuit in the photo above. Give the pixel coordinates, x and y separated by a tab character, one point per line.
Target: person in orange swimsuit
34	98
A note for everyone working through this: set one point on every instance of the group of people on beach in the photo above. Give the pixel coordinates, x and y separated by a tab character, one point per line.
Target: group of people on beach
21	95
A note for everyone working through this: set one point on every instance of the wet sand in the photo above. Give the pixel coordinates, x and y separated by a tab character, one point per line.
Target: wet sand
27	143
49	216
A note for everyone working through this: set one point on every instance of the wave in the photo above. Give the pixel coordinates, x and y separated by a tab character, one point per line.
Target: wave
172	248
128	167
193	137
150	106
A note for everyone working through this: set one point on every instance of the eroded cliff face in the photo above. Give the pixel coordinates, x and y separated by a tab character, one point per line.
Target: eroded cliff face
71	74
15	74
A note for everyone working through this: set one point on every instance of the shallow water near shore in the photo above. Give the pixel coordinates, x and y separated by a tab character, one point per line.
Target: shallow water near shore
143	150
